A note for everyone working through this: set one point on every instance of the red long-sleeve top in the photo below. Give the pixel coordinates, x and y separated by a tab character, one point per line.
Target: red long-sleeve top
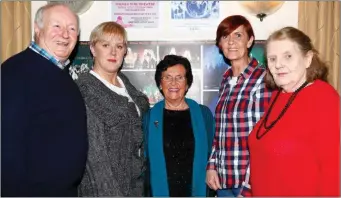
300	155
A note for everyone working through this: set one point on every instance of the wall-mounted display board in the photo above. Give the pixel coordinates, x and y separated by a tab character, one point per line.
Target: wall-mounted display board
207	62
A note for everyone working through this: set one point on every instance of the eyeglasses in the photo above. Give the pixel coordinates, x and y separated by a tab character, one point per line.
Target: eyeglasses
176	78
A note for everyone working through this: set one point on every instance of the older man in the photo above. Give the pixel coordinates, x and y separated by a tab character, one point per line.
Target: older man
43	137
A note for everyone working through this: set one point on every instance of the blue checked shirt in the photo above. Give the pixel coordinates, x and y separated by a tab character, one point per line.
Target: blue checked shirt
33	46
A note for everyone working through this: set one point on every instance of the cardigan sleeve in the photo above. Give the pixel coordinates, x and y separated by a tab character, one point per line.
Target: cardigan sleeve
146	174
145	123
96	168
209	124
210	127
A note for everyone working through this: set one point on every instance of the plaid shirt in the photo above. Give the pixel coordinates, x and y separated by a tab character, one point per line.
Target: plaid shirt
238	110
33	46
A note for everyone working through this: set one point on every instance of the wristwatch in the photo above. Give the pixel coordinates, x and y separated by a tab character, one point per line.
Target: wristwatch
78	7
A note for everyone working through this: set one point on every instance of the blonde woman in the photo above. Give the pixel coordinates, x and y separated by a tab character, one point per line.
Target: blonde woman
114	108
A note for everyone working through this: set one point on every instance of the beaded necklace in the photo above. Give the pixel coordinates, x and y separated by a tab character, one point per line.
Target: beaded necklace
287	105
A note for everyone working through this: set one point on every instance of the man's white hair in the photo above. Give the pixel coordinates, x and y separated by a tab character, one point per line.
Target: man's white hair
39	17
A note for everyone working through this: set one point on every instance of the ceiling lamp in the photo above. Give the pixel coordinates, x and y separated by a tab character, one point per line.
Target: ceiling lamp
261	9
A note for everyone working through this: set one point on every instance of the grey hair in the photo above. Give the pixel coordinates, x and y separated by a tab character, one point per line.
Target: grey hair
39	16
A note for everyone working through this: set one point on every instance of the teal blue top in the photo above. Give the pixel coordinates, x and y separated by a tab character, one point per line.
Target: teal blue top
203	129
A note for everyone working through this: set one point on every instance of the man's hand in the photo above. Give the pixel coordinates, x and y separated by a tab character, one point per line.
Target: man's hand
212	179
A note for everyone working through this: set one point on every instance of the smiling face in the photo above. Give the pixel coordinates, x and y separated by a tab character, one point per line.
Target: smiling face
235	45
108	53
287	64
59	31
174	83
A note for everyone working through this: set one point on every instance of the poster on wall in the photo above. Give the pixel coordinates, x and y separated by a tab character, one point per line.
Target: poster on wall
144	82
210	99
208	66
190	50
136	14
194	14
214	65
82	60
141	55
258	52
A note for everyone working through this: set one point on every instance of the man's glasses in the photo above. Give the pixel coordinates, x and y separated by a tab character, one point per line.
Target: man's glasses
178	79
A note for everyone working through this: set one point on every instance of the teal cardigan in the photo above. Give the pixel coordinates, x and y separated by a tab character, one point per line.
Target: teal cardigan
203	128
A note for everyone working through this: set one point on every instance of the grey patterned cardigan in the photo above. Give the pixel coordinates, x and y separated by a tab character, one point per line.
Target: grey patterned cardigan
115	135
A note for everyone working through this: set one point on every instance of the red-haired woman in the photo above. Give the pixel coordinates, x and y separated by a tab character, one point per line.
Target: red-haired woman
242	101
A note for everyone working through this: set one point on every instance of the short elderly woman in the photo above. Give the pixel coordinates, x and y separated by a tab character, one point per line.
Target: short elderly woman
178	133
114	108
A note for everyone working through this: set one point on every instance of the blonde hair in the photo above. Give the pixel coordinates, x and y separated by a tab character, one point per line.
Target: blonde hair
317	69
111	29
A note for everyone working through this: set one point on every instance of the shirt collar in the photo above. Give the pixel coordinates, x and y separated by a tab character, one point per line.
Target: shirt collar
247	71
35	47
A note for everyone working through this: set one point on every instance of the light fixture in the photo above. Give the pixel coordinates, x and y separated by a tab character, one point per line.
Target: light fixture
261	9
78	6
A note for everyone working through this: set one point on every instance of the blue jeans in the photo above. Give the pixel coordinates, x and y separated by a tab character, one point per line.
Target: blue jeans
228	192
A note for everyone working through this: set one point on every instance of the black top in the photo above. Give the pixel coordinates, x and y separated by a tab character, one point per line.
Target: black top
178	146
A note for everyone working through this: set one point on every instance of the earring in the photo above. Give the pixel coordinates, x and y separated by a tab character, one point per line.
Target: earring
160	88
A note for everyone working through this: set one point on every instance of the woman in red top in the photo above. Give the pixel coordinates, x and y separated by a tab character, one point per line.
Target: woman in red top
295	147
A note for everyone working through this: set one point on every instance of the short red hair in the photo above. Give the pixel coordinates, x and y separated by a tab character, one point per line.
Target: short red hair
231	23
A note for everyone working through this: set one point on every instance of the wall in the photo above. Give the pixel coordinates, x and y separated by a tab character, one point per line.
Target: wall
207	63
99	12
